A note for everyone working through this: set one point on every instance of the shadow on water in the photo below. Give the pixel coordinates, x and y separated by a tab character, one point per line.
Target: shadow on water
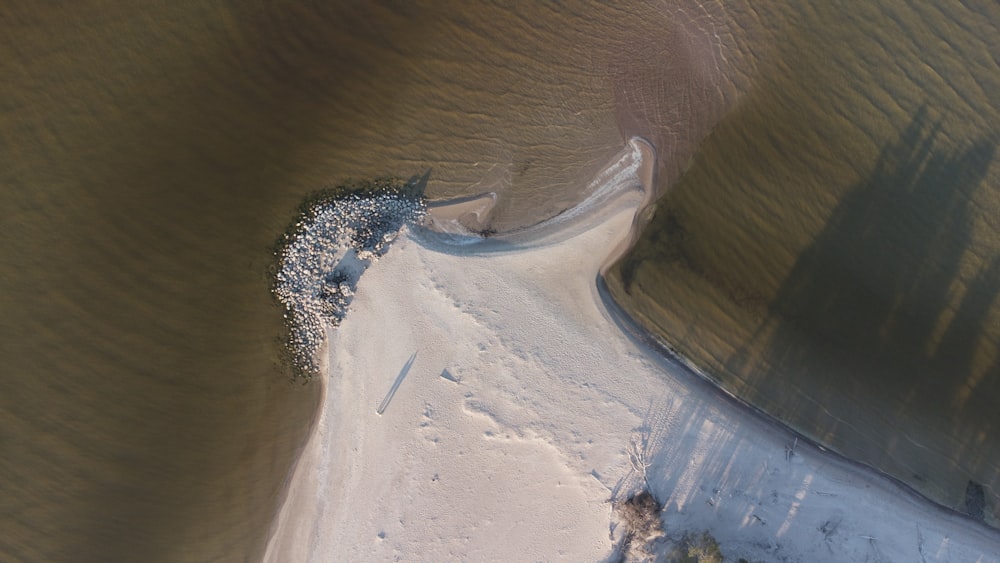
762	482
873	316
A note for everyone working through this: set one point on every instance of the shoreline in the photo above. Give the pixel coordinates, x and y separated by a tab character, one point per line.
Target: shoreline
518	363
670	357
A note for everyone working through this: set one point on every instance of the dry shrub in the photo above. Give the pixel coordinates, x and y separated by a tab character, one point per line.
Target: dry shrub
640	515
644	538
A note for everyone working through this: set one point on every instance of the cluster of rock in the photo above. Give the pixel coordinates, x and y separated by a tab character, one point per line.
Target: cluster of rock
324	254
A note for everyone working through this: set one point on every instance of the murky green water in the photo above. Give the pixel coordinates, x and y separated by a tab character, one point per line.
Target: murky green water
150	159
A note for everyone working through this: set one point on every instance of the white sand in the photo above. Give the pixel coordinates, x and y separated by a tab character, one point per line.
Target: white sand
526	409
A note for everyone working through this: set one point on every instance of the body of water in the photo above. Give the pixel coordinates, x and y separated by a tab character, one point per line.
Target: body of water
152	158
832	252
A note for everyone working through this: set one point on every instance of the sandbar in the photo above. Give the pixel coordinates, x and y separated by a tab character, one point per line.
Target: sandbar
483	403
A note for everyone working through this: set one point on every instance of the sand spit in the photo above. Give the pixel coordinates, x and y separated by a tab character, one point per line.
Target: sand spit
483	404
463	216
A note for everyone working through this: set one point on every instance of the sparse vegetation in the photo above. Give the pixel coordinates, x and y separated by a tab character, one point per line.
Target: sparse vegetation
696	549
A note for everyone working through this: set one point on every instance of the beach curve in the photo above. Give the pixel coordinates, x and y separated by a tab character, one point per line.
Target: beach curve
527	406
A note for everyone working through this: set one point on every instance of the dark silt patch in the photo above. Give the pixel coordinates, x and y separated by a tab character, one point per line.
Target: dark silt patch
975	500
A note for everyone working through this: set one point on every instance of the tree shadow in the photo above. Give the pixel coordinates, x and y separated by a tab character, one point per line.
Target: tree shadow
875	313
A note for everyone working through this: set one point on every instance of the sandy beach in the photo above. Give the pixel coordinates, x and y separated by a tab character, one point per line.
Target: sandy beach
482	403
